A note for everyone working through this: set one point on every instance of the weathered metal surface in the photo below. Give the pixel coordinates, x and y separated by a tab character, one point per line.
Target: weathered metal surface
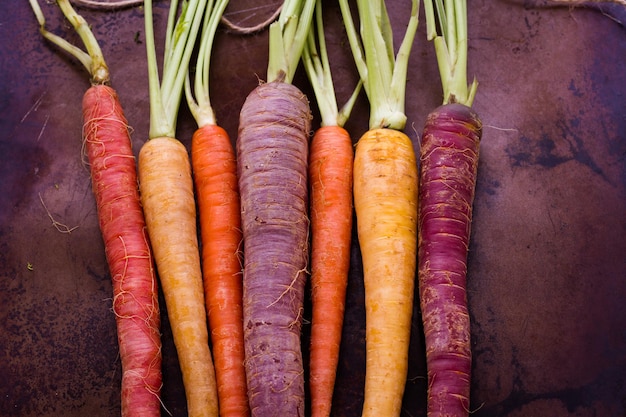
547	269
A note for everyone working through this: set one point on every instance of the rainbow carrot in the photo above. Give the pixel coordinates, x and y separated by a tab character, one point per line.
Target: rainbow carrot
385	200
449	162
215	176
330	181
167	194
114	183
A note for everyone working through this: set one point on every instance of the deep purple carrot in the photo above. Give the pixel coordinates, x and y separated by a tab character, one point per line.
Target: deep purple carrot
449	159
449	162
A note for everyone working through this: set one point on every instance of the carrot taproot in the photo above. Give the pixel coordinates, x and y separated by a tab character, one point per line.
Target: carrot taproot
330	174
385	202
272	154
108	148
449	161
215	177
214	167
135	301
272	149
167	195
330	182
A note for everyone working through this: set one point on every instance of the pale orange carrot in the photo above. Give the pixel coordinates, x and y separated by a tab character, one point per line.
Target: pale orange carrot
167	194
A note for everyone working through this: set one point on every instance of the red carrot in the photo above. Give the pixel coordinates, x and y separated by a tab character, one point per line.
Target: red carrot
122	223
449	161
114	182
272	152
330	181
449	158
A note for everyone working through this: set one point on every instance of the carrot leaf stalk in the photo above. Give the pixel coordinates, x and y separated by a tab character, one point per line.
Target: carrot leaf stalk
167	194
383	73
272	155
107	146
214	167
385	201
330	182
450	43
449	156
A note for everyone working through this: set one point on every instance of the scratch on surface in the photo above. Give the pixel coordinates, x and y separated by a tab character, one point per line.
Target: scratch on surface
45	123
34	107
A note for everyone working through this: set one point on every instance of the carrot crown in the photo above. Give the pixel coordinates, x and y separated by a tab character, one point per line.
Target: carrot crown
383	75
92	60
287	37
317	66
180	38
448	30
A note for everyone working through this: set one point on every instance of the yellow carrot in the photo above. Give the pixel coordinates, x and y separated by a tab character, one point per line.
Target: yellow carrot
166	188
167	196
385	200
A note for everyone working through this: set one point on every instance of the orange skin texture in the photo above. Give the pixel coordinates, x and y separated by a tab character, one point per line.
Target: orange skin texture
330	176
217	193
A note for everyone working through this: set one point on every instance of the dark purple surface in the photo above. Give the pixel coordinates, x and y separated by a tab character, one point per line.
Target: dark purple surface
547	263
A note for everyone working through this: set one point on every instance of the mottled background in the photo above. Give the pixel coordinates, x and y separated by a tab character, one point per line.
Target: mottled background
547	268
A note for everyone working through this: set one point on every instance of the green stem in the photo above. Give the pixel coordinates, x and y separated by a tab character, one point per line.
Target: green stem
382	74
317	66
200	107
93	59
181	35
450	41
287	37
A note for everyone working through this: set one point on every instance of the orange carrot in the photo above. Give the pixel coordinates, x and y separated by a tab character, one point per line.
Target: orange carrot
215	175
214	167
330	181
330	176
111	160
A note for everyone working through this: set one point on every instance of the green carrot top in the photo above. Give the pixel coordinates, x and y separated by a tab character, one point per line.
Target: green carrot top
287	37
92	60
200	107
317	66
180	38
451	48
383	76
